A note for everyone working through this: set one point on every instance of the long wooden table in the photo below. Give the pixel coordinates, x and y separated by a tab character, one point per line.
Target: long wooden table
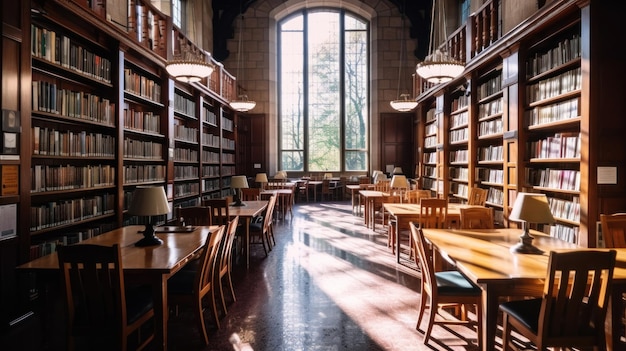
247	212
146	265
405	213
484	257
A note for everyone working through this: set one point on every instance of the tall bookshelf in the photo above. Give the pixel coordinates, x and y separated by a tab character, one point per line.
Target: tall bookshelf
428	132
186	147
459	150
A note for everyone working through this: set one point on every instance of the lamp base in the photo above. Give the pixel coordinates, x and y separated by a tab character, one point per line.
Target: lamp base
149	239
525	246
237	204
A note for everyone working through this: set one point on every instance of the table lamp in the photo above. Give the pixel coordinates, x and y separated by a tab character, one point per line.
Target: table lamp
262	179
280	175
397	170
380	176
399	182
149	201
529	208
237	183
328	176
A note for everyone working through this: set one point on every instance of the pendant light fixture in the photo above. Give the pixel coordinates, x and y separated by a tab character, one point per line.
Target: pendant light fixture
189	64
404	104
439	66
242	104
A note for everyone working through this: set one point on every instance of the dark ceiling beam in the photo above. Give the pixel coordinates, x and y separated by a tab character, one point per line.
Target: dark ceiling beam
226	12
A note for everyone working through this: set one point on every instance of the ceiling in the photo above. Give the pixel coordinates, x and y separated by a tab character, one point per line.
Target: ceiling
226	11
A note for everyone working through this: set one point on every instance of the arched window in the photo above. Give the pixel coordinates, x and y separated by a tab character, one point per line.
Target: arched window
323	91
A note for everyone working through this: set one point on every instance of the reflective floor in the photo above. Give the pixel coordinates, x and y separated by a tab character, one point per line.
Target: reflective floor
328	284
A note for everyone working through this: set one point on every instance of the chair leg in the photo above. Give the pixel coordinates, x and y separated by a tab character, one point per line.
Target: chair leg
220	285
200	320
506	332
230	286
421	311
431	321
214	308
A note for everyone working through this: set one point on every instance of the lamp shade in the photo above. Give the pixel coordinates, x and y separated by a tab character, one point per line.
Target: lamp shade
328	175
399	182
531	208
238	182
261	178
189	70
149	201
404	104
280	175
397	170
380	176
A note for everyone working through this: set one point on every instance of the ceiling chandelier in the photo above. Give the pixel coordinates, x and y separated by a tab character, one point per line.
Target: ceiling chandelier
439	66
242	104
404	104
188	63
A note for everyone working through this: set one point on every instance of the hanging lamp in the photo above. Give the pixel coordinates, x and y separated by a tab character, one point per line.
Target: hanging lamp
439	66
188	64
242	104
404	104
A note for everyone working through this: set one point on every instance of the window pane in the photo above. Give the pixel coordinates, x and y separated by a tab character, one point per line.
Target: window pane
356	90
292	98
292	160
356	160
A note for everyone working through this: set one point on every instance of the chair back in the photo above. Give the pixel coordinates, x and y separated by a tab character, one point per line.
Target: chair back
433	213
424	255
208	262
383	185
414	196
250	194
225	250
614	229
269	213
477	196
219	210
576	294
194	215
476	217
95	295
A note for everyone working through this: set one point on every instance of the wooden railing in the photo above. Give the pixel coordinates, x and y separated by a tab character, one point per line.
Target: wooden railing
485	27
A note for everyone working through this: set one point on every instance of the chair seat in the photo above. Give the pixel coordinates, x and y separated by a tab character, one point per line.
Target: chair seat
138	302
454	283
525	311
182	283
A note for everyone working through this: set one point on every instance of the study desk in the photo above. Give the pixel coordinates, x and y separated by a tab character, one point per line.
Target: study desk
145	265
247	212
369	198
484	257
356	199
405	213
285	199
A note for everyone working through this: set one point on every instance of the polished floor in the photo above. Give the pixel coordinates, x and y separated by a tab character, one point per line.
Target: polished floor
328	284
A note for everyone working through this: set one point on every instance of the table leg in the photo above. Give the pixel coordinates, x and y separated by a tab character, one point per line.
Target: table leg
397	234
161	314
247	242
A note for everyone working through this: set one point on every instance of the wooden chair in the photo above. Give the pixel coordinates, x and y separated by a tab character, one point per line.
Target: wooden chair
101	310
220	210
250	194
193	287
477	196
443	288
327	192
224	259
414	196
383	185
433	214
476	218
263	231
303	190
614	229
194	215
573	308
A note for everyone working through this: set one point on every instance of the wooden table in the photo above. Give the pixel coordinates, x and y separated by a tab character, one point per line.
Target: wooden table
247	212
484	257
285	198
146	265
405	213
369	197
356	199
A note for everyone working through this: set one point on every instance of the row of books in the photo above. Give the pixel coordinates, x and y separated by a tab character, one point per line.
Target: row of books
210	171
210	156
54	142
146	149
55	213
490	153
186	189
185	155
228	124
134	174
56	48
495	196
44	248
555	86
460	102
430	129
53	178
459	190
459	119
459	135
458	156
565	209
228	158
211	140
555	112
144	121
493	126
459	173
430	141
565	51
561	145
430	157
48	97
228	144
209	116
210	185
490	87
140	85
565	233
186	172
431	116
495	176
490	108
430	171
564	179
184	105
228	170
182	132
